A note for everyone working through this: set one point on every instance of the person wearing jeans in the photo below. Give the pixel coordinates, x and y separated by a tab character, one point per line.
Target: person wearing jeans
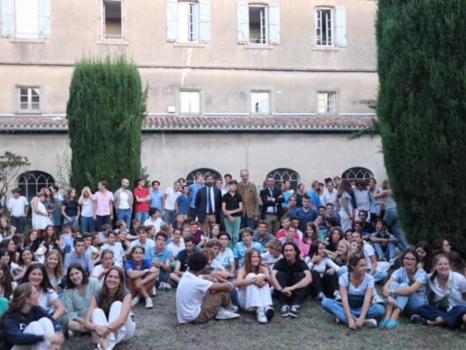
103	209
87	223
123	203
232	207
384	243
17	205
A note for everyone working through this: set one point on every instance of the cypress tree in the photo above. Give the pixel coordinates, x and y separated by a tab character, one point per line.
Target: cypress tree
105	113
422	112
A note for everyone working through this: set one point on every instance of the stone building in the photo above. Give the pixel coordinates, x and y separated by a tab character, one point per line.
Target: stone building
273	86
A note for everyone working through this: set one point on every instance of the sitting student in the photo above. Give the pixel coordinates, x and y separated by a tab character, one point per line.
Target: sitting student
109	316
197	234
154	219
54	267
441	246
285	225
26	259
161	259
384	242
78	293
457	263
425	255
324	272
273	254
336	235
367	228
177	244
66	241
143	239
213	247
291	236
199	300
106	262
78	256
447	299
371	259
253	287
182	259
290	279
262	235
342	256
246	243
406	289
225	256
28	324
6	288
115	247
310	235
141	277
356	307
48	298
91	250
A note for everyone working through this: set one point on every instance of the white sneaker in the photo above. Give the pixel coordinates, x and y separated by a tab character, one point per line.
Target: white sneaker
149	303
135	301
165	286
232	308
370	322
260	314
223	314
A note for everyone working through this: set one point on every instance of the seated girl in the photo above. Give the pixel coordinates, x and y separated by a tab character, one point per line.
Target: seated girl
273	253
106	263
79	291
54	266
108	316
405	290
6	288
253	283
357	307
341	256
26	258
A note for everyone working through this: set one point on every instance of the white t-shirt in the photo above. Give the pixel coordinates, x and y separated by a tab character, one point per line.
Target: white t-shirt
367	282
149	243
368	251
124	200
87	209
16	206
174	249
456	287
189	296
171	198
269	260
118	252
330	197
96	272
362	199
47	298
157	223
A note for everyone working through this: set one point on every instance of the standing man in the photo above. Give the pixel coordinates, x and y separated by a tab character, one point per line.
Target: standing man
156	197
142	198
227	179
248	192
208	204
330	194
18	207
103	206
272	199
124	203
193	189
169	200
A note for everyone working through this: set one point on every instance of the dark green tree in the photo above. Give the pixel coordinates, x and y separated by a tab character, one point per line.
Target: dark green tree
105	115
422	112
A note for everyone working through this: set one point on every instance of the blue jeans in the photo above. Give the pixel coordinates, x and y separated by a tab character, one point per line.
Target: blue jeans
142	216
376	311
73	222
452	318
233	229
19	222
380	276
170	216
394	226
125	216
388	254
410	303
248	222
103	220
164	276
87	224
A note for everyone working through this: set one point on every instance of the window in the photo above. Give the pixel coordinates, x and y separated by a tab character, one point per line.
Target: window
326	102
29	99
258	24
190	102
32	182
282	175
188	21
260	102
25	19
357	174
330	24
191	177
112	23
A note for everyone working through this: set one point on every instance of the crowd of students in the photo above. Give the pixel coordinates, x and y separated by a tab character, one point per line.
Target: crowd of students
87	261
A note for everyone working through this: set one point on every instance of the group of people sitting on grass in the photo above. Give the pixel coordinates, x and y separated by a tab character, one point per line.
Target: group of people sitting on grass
56	282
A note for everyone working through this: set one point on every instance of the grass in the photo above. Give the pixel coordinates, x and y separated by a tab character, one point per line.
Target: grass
158	329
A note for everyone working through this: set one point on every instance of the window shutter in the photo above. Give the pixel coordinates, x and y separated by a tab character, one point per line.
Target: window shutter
7	11
340	26
274	24
205	22
45	23
172	19
243	23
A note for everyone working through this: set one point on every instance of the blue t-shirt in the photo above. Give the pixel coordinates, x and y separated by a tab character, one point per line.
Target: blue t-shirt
156	199
153	255
305	217
315	200
193	189
401	276
183	204
130	265
239	251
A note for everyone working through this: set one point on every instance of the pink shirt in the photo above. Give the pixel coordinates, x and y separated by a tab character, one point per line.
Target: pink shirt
103	202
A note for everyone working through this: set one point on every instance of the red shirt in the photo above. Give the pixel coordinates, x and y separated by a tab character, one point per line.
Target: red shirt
141	193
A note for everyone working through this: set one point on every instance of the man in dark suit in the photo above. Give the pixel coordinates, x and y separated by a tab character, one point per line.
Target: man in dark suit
272	199
208	204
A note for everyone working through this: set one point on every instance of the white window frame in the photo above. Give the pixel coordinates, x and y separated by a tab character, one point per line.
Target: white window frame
29	108
264	25
192	24
330	29
330	95
20	35
104	34
254	102
190	109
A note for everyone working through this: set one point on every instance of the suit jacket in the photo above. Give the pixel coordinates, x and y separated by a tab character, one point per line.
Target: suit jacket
248	193
279	199
201	204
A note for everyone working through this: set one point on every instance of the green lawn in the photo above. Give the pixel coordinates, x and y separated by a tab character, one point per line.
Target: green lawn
158	329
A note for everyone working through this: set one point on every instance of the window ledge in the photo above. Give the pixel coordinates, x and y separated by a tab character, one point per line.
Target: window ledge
117	42
326	48
258	46
27	40
27	113
332	114
195	45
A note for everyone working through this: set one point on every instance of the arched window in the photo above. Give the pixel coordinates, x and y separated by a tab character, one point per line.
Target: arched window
191	177
284	174
357	174
32	181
